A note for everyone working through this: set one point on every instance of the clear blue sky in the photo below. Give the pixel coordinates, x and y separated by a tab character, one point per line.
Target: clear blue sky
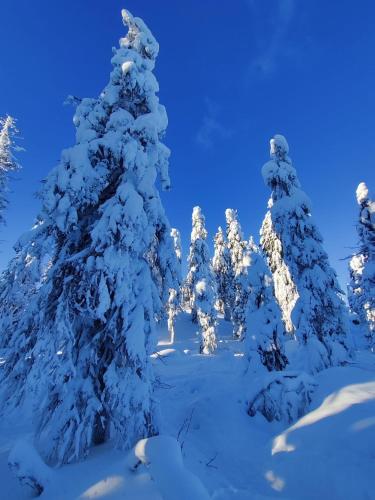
231	75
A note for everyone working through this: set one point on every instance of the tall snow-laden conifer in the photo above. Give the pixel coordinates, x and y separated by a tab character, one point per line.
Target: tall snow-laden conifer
221	265
236	243
237	282
173	309
197	260
174	299
242	291
200	286
175	234
165	268
361	290
20	281
19	312
274	392
264	326
8	162
95	313
305	284
205	296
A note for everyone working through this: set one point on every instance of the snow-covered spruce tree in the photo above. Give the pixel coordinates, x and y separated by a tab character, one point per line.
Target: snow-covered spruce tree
172	312
242	290
306	286
174	299
285	288
21	280
221	265
274	392
237	276
205	296
8	162
361	289
197	261
165	268
264	325
95	329
200	286
19	285
175	234
235	241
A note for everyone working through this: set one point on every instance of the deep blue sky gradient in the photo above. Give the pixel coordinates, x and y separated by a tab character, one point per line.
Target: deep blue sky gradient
231	75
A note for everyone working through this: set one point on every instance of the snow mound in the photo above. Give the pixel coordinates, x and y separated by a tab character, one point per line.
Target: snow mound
162	455
329	453
281	396
33	474
163	353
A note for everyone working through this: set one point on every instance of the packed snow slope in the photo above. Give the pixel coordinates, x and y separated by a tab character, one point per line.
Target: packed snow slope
211	449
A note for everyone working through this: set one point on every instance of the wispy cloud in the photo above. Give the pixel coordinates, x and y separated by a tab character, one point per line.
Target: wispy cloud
273	29
211	129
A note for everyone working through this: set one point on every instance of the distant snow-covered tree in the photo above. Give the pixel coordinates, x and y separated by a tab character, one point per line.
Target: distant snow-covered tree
221	265
172	311
236	243
8	162
19	282
205	306
163	261
19	286
94	316
198	259
174	299
175	234
306	286
242	290
361	289
237	276
200	286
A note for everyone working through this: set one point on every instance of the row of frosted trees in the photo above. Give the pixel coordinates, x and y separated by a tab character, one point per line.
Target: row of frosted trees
303	286
80	300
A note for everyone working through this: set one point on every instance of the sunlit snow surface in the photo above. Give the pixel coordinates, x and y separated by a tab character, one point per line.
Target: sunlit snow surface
327	454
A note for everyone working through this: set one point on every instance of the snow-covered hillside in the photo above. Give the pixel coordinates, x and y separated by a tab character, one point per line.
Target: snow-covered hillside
211	448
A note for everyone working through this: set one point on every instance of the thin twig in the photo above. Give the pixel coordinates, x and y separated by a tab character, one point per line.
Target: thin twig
163	385
160	358
209	463
186	424
187	428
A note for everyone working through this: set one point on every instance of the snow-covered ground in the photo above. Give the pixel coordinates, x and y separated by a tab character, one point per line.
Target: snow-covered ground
225	454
